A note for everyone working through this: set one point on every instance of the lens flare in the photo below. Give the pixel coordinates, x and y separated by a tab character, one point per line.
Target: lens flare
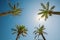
40	20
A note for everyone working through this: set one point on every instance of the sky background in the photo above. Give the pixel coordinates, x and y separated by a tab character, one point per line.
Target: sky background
28	18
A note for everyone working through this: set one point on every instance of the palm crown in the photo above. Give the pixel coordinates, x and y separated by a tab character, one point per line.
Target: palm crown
14	10
20	30
40	31
47	11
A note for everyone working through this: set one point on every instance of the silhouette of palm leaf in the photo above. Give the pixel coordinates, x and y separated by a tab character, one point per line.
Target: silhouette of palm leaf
43	5
52	7
47	6
10	5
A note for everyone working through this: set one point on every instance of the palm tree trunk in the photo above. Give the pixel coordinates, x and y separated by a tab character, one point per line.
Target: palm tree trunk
5	13
56	13
43	36
17	36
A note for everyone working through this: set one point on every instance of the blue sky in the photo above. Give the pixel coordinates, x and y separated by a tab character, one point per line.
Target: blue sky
28	18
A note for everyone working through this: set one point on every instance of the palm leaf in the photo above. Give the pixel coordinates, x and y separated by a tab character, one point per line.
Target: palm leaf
10	5
44	32
35	32
25	32
17	4
17	26
41	9
14	32
42	16
43	5
40	13
52	7
13	29
14	6
35	36
38	37
46	16
47	6
23	35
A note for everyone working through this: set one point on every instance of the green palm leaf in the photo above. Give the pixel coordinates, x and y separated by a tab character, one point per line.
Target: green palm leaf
44	32
14	32
41	9
47	6
42	16
14	29
17	4
14	7
52	7
40	13
10	5
43	5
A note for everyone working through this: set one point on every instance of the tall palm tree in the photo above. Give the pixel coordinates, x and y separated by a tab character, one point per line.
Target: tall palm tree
14	10
47	11
20	30
39	31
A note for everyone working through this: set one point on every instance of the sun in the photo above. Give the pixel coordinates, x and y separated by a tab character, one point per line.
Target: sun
40	20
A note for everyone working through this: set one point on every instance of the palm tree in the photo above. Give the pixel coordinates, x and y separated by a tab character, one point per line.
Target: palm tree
39	31
15	10
47	11
20	30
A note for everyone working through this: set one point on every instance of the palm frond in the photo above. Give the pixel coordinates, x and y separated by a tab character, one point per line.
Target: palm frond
35	36
14	6
10	5
25	31
23	34
46	16
35	32
42	16
47	6
41	10
36	28
17	4
14	32
52	7
42	27
17	26
43	5
13	29
44	32
39	13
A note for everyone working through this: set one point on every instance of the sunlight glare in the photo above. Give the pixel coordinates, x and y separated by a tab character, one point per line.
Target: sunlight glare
40	20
